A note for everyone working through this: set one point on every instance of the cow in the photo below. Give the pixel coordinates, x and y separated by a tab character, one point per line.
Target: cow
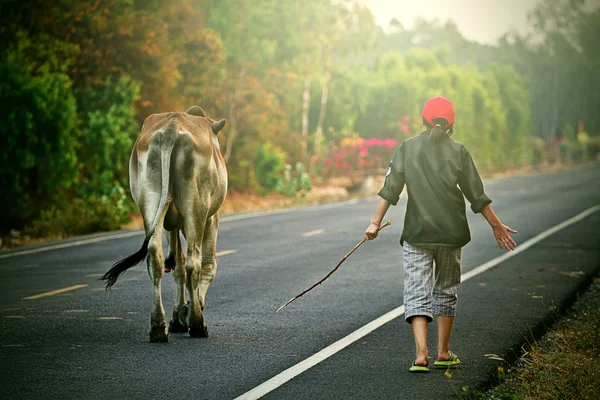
178	179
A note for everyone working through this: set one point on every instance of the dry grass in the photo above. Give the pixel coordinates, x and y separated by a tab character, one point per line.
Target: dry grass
564	363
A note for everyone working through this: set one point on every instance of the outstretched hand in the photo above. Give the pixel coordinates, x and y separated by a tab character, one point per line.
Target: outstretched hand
505	241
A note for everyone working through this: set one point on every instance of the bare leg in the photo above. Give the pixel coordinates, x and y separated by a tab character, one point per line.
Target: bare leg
418	284
444	331
419	326
445	295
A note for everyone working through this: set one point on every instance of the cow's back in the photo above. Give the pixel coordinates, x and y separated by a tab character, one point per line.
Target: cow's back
195	160
199	129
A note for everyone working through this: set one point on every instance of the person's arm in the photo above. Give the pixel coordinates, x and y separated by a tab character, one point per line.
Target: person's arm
389	193
371	232
471	185
501	231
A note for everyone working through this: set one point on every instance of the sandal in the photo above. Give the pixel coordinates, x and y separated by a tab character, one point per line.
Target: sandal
453	360
419	368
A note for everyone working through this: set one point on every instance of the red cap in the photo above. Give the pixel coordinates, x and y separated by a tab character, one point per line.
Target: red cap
438	107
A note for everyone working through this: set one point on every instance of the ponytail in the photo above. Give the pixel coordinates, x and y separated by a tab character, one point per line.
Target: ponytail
437	133
440	130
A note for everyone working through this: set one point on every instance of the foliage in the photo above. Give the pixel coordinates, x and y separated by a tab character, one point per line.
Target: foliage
295	181
560	65
109	131
268	166
354	154
592	148
560	365
95	213
37	124
293	79
491	120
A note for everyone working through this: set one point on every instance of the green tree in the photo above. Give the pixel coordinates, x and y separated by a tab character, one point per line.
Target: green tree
108	132
37	125
268	166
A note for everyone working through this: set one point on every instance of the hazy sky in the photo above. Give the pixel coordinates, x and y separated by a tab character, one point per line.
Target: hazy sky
481	20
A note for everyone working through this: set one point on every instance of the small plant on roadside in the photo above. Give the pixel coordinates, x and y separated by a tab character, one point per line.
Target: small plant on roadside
294	181
79	216
268	166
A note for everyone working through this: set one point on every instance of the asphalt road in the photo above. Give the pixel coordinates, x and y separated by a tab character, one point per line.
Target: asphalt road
88	343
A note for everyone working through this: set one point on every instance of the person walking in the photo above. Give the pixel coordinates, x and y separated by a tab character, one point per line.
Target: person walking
437	172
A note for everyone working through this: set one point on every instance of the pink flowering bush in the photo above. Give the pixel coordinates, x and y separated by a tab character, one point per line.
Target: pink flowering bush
356	156
403	124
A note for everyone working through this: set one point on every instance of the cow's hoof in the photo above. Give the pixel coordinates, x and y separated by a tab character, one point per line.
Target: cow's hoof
201	332
159	334
175	326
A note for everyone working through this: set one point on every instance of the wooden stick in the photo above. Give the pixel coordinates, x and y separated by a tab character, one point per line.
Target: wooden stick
333	270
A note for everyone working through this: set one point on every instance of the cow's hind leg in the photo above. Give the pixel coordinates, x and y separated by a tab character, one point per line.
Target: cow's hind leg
195	222
158	320
209	256
176	260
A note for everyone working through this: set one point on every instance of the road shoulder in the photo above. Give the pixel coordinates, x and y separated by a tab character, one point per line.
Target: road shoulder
562	363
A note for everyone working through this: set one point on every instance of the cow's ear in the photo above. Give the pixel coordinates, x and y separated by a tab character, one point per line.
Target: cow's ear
217	126
195	110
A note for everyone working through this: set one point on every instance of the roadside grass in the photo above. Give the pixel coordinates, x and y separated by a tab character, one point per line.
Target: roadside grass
563	364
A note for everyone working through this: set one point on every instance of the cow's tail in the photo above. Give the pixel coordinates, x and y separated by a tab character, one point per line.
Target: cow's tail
168	138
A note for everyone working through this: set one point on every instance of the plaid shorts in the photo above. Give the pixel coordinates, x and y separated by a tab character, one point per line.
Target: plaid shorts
429	291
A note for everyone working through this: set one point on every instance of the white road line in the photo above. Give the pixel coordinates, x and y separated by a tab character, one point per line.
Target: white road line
225	252
330	350
313	233
53	292
524	246
322	355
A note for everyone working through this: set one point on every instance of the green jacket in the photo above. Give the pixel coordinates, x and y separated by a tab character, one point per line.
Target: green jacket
436	176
